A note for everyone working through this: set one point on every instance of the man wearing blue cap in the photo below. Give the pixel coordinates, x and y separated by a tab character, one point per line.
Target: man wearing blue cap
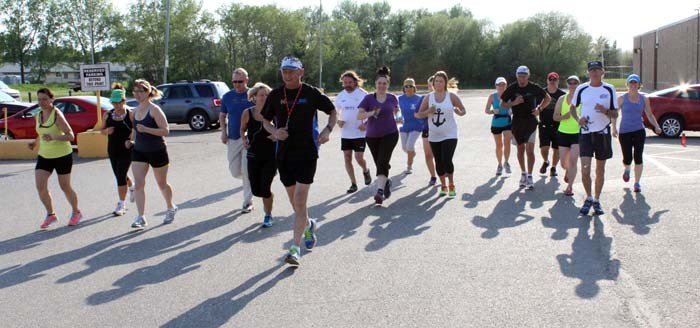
290	116
598	108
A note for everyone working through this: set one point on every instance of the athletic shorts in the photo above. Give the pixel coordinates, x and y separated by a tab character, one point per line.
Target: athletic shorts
155	159
408	140
567	139
296	171
598	144
62	165
499	130
548	136
356	145
524	130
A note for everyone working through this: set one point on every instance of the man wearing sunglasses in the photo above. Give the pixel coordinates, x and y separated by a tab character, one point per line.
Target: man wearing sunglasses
548	126
233	103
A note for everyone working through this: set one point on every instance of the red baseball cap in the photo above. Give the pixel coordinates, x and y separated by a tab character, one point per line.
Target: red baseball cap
552	75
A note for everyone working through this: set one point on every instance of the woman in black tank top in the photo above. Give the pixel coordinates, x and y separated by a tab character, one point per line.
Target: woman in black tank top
118	127
262	166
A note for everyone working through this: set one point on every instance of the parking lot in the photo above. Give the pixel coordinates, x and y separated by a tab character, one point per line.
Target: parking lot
494	256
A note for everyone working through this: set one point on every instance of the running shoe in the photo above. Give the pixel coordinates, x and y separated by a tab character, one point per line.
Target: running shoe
51	218
637	187
443	190
626	176
597	209
568	191
170	215
368	177
432	182
506	166
75	219
379	197
139	222
543	168
310	234
452	192
586	207
352	189
387	189
132	194
530	185
267	221
409	170
523	180
247	208
294	256
553	171
120	210
499	170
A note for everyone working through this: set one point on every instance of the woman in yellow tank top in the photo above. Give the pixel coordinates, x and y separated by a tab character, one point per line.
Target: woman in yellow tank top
54	137
568	133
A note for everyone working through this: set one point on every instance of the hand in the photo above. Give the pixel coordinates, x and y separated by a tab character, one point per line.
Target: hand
657	130
601	109
432	109
614	132
582	121
31	145
376	112
281	134
324	136
341	124
47	137
362	127
224	138
271	137
246	144
518	100
141	128
536	111
128	144
107	131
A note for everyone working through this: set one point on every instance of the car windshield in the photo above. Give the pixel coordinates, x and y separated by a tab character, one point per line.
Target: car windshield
3	85
6	98
222	88
105	103
669	91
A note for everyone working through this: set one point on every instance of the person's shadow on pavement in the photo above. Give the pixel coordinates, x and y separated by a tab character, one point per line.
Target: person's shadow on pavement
483	192
563	217
508	213
589	260
635	211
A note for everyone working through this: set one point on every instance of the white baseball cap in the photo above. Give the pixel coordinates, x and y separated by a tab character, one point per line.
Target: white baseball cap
522	70
500	80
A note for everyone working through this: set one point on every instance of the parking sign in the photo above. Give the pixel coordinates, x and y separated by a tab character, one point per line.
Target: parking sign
94	77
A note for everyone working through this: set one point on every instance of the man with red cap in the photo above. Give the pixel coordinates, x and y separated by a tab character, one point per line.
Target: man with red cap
548	126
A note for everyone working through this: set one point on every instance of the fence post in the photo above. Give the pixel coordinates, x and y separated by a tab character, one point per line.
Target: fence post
29	93
70	92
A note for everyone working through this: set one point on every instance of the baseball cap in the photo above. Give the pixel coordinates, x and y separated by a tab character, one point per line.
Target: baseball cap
409	82
595	64
500	80
291	62
552	75
522	70
573	77
634	77
118	95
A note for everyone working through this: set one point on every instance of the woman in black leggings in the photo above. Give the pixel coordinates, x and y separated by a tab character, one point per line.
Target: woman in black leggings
118	127
260	150
379	109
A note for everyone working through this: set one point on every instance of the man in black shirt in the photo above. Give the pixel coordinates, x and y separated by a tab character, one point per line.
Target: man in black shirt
290	116
526	100
548	126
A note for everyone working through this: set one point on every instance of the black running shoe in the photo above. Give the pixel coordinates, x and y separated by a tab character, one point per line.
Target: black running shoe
368	177
543	168
387	189
352	189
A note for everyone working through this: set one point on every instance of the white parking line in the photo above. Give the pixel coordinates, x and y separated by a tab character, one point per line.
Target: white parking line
661	166
674	158
674	152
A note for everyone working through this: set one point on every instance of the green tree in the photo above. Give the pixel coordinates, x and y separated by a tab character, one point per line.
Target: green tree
22	20
90	25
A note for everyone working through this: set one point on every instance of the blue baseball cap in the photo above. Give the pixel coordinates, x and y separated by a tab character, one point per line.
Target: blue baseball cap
291	62
522	70
634	77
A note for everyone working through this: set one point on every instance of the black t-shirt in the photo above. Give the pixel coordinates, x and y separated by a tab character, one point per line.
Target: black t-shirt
533	94
261	147
122	132
547	115
302	143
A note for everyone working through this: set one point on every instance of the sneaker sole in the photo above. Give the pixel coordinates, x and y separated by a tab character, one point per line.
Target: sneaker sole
378	199
292	261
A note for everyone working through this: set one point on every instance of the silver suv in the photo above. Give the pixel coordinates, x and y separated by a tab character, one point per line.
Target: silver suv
195	103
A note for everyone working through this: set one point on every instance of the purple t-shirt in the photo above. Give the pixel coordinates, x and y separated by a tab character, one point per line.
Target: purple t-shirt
384	123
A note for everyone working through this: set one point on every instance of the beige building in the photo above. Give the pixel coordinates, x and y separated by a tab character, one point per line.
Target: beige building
668	56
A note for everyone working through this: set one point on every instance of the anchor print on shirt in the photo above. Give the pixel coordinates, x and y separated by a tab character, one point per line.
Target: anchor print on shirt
436	117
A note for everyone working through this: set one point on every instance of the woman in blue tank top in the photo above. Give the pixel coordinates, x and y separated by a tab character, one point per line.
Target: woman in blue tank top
632	133
500	126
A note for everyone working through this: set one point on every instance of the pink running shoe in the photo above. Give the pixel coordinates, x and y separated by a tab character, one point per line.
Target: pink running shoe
75	219
51	218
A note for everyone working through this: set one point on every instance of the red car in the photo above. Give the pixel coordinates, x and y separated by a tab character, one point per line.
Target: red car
676	109
80	112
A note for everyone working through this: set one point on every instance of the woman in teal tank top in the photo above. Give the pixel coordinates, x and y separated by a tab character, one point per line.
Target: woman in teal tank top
500	126
54	136
568	133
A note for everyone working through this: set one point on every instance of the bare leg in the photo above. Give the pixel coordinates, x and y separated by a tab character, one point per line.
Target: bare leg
599	177
347	157
41	178
638	168
521	156
71	196
530	147
267	204
586	175
499	148
507	136
429	159
301	194
360	159
140	169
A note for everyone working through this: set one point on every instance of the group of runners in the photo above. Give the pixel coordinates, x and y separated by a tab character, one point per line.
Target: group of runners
269	131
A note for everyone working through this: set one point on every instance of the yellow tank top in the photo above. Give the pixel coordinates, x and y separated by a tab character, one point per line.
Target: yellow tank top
569	125
53	148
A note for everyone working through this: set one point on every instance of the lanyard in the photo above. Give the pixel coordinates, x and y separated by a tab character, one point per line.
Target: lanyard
290	110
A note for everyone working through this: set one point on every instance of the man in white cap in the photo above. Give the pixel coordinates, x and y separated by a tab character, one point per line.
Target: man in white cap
290	116
527	100
598	109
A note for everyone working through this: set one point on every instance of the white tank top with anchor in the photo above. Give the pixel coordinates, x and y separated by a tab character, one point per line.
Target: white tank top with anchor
442	124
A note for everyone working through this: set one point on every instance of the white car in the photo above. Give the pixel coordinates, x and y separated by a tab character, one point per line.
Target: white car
12	92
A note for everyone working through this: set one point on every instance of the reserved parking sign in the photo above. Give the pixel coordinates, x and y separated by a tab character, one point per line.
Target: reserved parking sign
94	77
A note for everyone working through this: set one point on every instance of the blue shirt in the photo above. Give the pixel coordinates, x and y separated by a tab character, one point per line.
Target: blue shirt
632	115
501	118
234	103
409	106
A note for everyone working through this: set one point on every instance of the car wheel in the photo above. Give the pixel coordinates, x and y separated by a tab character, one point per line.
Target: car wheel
198	120
5	137
671	126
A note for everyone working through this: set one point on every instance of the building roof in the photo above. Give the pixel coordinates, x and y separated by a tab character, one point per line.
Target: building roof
694	17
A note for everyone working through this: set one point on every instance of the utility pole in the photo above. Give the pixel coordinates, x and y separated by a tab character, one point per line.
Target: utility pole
167	41
697	49
320	44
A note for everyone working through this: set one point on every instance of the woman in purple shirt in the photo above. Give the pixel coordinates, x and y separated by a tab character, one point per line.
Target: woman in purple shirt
379	109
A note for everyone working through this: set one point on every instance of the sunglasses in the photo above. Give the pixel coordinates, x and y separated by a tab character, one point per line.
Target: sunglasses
572	83
553	80
409	86
237	81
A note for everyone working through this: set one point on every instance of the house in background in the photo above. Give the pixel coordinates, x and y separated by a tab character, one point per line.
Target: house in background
62	73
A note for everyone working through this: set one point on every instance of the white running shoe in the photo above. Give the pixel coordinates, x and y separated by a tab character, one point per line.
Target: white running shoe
120	210
132	194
